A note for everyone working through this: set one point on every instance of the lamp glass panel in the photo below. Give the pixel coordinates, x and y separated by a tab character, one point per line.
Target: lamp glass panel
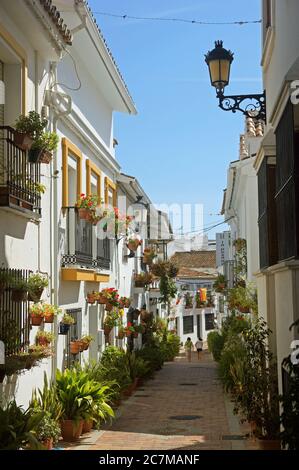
219	71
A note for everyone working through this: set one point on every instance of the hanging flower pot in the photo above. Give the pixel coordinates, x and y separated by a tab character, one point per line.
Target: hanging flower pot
19	295
133	244
36	320
35	295
75	347
107	330
45	157
23	141
49	318
145	315
91	297
101	299
34	155
83	213
109	307
64	328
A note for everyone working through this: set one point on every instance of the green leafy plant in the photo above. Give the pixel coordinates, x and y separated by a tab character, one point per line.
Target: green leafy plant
165	268
33	124
48	428
67	319
18	427
37	281
215	344
44	337
47	400
46	141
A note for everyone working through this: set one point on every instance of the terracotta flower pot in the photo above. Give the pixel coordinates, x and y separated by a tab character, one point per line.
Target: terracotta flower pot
132	246
83	213
102	300
109	307
23	141
35	295
36	320
74	347
91	299
48	443
120	335
43	341
45	157
139	284
87	425
71	430
107	330
49	318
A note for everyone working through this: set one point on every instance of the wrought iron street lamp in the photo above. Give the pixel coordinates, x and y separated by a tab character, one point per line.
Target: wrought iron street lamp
219	61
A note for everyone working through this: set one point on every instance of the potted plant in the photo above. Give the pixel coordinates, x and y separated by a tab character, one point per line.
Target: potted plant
129	329
149	255
75	346
165	268
121	332
91	297
87	204
19	290
86	340
124	302
50	311
66	321
36	284
36	314
44	338
145	315
111	298
220	283
188	301
143	279
111	320
42	148
133	244
5	279
28	128
48	431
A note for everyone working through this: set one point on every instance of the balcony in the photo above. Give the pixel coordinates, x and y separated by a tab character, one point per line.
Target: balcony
83	249
18	178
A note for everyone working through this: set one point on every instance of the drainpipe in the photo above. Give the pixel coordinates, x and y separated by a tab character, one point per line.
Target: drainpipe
54	254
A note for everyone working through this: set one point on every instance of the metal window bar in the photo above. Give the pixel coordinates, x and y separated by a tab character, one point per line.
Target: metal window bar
78	245
18	177
74	333
14	317
103	253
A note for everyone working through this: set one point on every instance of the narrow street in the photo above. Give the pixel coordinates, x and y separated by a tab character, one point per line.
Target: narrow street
182	408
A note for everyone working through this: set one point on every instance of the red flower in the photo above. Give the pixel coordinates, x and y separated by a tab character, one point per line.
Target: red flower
129	324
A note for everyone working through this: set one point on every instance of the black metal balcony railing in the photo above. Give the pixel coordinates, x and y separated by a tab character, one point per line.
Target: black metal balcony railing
14	321
82	247
18	178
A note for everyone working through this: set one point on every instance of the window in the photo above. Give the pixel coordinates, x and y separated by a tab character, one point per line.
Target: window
188	325
110	192
209	321
73	334
93	170
71	163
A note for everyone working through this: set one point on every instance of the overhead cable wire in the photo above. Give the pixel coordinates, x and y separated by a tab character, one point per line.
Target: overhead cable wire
178	20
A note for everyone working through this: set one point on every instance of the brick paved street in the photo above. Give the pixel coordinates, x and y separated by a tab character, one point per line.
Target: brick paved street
156	417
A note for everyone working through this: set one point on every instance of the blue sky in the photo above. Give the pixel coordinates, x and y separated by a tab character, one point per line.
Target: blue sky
180	143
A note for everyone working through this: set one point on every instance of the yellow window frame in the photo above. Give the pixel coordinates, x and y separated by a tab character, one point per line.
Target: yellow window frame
68	148
112	186
92	168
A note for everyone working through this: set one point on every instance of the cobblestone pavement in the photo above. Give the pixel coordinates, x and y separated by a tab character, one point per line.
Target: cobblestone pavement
183	407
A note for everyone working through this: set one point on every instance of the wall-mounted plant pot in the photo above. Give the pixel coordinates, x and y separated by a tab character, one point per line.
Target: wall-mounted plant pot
36	320
145	315
45	157
64	328
120	335
23	141
43	341
75	347
18	295
49	318
109	307
35	295
244	309
90	299
107	330
34	155
83	213
102	300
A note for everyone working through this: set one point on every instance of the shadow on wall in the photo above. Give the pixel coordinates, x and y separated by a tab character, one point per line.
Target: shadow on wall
14	227
8	389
